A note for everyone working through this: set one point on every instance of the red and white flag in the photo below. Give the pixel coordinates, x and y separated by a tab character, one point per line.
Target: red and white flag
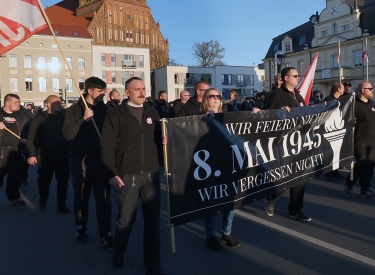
19	19
305	86
364	54
338	54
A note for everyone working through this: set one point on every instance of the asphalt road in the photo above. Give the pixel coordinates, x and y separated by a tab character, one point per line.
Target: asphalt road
339	240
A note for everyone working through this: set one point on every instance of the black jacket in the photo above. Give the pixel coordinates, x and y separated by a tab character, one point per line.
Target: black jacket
282	97
177	105
46	134
23	122
190	108
364	121
112	103
85	139
128	147
330	97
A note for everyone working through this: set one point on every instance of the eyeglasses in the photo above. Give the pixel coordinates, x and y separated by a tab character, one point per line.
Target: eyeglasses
295	76
187	95
370	89
214	96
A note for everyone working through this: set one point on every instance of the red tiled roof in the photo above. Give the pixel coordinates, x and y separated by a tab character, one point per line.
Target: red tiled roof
68	31
63	13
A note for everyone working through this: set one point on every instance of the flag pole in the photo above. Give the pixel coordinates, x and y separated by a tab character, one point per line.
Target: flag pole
339	58
366	61
66	62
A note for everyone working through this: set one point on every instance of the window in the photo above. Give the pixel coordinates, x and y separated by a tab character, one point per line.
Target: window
54	65
69	60
103	59
301	67
276	47
334	29
287	64
42	84
206	78
56	84
240	78
29	84
345	28
104	76
127	75
334	61
142	75
69	85
41	62
113	60
128	16
302	40
287	46
129	36
358	58
13	84
113	73
128	60
325	33
27	61
176	78
13	60
141	61
176	93
81	84
226	79
251	80
81	63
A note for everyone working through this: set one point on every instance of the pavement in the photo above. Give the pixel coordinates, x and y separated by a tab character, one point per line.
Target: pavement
339	239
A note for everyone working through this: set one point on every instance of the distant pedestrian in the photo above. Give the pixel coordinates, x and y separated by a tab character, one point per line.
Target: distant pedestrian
178	103
115	99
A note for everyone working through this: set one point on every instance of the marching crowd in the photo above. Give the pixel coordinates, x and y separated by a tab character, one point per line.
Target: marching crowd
119	145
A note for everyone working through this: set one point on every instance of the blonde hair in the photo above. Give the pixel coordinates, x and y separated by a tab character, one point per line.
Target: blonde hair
204	105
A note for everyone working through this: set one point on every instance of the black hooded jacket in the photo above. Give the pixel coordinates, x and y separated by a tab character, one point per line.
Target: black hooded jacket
190	108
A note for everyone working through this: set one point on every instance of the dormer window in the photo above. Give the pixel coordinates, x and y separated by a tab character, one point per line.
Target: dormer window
302	40
345	28
276	47
334	29
287	46
325	33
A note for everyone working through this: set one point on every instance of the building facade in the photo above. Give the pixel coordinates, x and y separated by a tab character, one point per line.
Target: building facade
174	79
351	22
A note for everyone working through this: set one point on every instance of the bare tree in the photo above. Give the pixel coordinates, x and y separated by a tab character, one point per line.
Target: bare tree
173	62
158	58
208	53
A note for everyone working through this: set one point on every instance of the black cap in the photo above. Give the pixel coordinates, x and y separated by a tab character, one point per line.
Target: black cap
347	84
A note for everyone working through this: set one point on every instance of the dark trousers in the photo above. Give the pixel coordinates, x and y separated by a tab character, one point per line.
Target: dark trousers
296	198
86	175
47	165
11	164
364	154
146	186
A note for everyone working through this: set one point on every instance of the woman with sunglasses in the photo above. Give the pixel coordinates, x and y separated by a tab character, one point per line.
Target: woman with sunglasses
211	104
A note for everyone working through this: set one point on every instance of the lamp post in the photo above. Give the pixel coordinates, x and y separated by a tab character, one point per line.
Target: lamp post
279	61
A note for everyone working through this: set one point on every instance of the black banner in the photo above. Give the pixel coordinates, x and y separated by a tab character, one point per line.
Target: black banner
222	162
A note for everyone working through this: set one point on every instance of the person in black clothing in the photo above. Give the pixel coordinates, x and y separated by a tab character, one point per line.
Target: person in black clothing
193	105
18	122
233	105
48	148
86	167
347	88
165	109
178	103
129	155
25	170
285	98
364	142
115	97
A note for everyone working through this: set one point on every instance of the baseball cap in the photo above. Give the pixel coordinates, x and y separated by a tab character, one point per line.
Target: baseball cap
347	83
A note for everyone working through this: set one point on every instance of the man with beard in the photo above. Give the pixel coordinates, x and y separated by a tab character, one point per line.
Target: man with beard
115	97
86	167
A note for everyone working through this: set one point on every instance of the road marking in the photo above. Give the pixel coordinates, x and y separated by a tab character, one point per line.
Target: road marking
307	238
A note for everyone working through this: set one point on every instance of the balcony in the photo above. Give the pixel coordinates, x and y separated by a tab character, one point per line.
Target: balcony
242	83
333	74
190	81
128	64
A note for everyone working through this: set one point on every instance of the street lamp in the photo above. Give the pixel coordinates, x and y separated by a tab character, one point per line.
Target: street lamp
279	61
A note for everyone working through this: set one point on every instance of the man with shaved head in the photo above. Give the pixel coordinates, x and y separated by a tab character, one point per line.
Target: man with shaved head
47	148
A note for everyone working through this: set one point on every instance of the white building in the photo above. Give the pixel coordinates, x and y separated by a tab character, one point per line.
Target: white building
174	79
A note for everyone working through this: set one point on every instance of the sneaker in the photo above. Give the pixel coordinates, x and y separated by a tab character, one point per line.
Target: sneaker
214	244
117	259
300	216
107	241
368	194
81	235
348	191
17	202
41	204
155	271
230	241
330	176
269	207
62	208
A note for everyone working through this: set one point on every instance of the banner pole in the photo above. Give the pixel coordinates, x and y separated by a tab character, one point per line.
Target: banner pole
66	62
13	133
353	114
166	171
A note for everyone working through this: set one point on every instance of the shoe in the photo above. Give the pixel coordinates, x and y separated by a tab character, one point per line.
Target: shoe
155	271
368	194
62	208
348	191
300	216
17	202
228	240
214	244
25	183
81	235
117	259
107	241
41	204
330	176
269	207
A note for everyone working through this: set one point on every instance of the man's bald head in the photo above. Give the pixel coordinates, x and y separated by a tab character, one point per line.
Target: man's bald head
53	104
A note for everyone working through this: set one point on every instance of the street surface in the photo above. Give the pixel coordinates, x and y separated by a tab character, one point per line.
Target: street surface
340	239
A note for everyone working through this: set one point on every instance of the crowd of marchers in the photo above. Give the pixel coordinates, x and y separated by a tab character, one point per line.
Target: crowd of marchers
118	146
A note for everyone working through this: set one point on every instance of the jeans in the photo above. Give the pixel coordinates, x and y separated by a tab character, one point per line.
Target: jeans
145	186
88	174
226	224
